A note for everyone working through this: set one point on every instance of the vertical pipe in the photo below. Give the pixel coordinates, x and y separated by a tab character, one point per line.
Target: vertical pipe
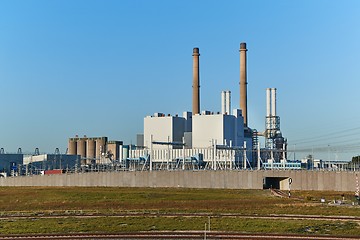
215	155
183	153
196	82
244	162
168	153
268	102
151	151
243	82
259	157
283	155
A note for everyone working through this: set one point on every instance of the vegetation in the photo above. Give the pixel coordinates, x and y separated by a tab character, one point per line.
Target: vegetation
74	201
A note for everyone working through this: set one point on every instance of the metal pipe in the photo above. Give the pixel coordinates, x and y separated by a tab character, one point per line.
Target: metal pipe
196	82
259	157
183	153
243	82
151	151
244	160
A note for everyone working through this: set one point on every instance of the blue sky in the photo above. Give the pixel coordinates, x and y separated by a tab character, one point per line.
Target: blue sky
98	67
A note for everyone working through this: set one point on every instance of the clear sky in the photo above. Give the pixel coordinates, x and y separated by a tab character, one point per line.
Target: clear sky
97	68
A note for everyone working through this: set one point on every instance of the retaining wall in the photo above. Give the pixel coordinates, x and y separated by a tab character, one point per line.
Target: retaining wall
301	180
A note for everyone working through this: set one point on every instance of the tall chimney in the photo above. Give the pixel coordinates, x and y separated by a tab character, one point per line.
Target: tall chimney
196	82
243	82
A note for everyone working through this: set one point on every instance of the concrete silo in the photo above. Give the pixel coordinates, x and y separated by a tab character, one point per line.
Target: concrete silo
72	149
100	147
90	149
81	147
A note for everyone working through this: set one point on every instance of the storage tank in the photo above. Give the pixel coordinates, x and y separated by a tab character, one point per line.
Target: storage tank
90	148
113	148
72	149
81	147
100	146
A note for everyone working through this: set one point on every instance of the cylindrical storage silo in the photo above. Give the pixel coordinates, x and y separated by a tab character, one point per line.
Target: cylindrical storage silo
113	148
90	149
81	147
72	146
100	147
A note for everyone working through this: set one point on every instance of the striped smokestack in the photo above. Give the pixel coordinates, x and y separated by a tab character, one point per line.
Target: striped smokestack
196	82
243	82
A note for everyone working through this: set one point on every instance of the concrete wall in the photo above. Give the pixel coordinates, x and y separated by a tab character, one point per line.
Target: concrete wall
301	180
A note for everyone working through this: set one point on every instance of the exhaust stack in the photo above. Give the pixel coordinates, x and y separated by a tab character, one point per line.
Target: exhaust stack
273	102
196	82
268	102
225	102
243	82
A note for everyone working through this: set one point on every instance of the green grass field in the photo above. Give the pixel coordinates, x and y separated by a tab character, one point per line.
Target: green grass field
51	201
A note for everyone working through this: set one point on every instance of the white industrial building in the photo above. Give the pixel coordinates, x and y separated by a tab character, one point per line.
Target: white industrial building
204	129
206	140
221	129
161	128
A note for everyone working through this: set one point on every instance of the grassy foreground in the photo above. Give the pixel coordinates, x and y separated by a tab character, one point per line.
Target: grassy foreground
72	201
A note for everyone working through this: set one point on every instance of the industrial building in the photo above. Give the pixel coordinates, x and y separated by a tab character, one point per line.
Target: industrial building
197	140
200	139
220	140
94	150
10	163
37	164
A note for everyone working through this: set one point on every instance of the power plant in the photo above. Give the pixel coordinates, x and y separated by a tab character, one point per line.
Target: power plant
197	140
212	140
200	139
